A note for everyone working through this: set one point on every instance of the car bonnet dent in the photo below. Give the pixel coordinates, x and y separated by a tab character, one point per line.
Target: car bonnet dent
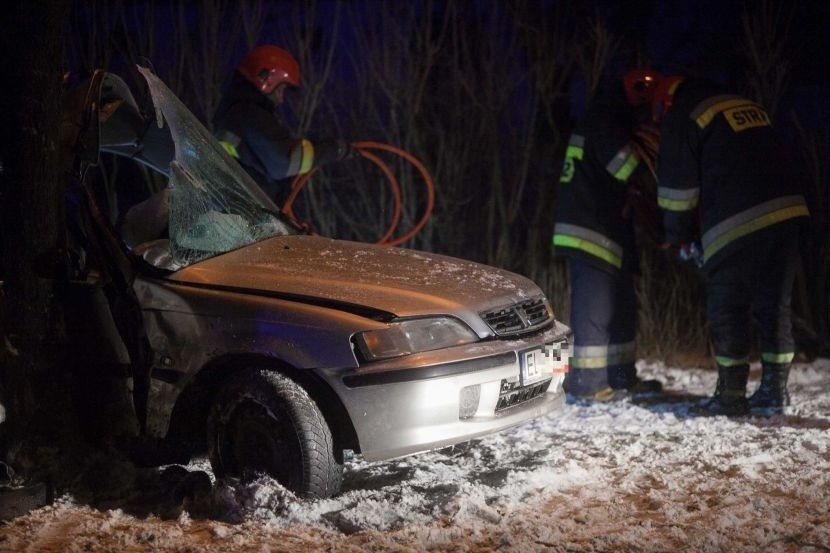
404	282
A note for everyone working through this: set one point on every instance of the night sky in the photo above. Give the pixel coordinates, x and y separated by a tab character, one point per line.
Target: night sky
704	37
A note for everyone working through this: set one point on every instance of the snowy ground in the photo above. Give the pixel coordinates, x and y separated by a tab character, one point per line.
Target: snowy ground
643	476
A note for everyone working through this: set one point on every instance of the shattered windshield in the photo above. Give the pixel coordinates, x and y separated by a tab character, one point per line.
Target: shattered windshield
214	205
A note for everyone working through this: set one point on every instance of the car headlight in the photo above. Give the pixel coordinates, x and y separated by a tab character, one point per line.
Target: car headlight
413	336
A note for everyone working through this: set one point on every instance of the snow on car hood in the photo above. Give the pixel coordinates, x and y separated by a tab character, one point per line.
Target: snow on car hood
400	281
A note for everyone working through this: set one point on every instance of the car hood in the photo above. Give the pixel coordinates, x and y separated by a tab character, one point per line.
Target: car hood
398	281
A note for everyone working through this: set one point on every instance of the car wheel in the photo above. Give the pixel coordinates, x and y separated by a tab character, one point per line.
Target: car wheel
264	422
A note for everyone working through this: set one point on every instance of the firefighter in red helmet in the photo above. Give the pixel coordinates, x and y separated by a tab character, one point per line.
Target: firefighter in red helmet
594	231
640	85
729	200
266	67
250	128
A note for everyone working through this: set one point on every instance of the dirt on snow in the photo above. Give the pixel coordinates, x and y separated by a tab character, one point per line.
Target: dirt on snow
634	475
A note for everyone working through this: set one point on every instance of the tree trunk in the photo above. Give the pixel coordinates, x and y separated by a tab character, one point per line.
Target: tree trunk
33	216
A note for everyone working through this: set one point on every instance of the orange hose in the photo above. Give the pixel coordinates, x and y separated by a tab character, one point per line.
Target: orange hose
301	180
646	157
396	194
364	147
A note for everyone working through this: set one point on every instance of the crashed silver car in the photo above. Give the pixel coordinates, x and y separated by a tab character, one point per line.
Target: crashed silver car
277	351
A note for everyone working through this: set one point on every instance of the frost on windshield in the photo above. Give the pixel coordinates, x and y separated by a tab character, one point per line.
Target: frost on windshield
215	206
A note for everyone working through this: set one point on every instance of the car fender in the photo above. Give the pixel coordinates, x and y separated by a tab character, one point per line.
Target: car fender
190	327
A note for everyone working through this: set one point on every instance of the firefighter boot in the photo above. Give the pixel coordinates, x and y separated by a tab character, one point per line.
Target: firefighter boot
624	377
730	393
772	394
641	386
588	386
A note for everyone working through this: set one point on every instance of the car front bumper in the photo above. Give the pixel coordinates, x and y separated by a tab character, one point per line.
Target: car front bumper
436	399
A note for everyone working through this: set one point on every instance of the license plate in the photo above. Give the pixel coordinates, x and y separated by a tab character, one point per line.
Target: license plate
542	363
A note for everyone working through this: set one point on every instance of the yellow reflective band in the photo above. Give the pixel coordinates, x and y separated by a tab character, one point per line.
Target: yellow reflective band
779	358
677	205
675	199
711	101
230	148
730	361
600	357
623	163
673	87
588	362
575	152
747	215
706	117
572	153
749	227
628	167
589	247
601	362
307	156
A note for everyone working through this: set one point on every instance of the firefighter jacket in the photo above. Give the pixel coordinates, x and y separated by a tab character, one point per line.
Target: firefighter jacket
590	219
721	172
251	130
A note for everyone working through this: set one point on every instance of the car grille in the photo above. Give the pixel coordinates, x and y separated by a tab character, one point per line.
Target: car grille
513	394
517	318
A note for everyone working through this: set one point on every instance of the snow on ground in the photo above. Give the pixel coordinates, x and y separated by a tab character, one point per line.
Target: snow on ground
629	476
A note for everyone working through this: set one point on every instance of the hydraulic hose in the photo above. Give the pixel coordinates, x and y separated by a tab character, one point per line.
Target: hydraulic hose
365	148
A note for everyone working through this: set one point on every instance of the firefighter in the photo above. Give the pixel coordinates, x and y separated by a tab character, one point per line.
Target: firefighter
250	128
594	233
726	192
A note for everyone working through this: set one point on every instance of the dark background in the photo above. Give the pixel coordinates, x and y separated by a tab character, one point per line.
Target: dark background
485	93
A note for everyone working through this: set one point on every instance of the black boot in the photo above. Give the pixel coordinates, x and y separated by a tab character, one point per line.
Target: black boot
730	393
624	377
772	393
640	386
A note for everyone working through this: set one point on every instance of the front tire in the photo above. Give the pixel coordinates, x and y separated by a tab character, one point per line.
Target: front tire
264	422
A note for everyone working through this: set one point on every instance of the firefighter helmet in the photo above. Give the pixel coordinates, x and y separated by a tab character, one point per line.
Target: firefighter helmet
639	86
267	66
664	96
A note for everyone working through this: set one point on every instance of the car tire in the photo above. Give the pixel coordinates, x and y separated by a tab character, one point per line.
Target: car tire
264	422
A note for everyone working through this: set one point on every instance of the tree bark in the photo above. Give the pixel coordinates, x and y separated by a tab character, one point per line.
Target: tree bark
33	215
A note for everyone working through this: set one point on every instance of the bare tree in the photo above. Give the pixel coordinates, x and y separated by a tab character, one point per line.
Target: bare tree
766	26
34	242
480	92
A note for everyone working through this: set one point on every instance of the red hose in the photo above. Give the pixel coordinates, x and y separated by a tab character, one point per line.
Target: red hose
364	148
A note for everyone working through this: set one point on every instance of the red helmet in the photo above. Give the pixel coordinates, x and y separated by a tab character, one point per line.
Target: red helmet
664	96
639	86
267	66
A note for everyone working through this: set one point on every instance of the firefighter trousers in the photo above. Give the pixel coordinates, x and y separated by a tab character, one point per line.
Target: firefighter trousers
754	284
604	324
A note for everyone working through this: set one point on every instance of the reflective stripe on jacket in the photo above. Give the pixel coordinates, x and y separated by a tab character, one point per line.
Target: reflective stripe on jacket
572	236
592	192
250	129
722	173
751	220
